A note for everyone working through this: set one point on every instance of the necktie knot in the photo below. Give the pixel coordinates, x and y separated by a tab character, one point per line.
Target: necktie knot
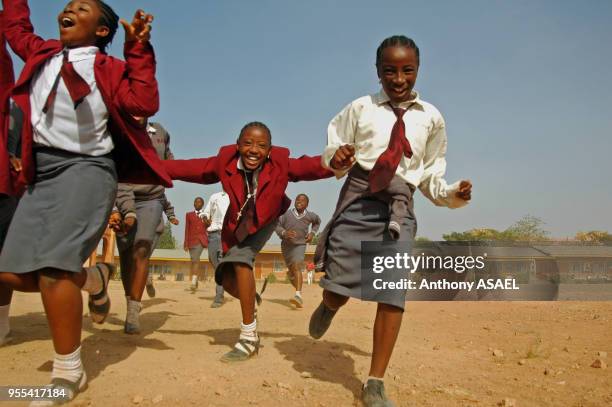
399	112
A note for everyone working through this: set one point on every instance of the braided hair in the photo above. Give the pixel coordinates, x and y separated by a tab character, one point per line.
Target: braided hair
396	41
110	19
258	125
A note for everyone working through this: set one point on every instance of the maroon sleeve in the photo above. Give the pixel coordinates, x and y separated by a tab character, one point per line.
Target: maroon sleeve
138	94
197	170
307	168
18	29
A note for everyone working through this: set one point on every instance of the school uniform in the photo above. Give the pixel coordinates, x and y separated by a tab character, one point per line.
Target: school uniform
73	153
363	215
6	85
270	201
196	238
294	249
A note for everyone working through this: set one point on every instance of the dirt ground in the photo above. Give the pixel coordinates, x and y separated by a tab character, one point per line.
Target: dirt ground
444	356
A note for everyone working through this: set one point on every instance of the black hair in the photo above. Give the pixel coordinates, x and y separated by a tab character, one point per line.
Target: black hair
396	41
110	19
200	198
304	195
258	125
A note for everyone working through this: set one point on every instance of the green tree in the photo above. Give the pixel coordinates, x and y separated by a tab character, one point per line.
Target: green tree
528	228
594	236
167	241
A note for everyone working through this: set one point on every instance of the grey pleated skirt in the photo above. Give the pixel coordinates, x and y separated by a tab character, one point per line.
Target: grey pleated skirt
367	220
244	252
62	216
293	253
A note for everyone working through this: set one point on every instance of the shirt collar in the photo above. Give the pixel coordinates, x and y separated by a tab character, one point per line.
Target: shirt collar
297	214
81	53
381	98
151	129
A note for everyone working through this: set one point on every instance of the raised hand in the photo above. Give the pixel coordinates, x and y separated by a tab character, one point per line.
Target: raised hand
343	158
465	190
139	29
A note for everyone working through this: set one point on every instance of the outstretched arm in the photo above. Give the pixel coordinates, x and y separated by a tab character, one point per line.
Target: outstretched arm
197	170
18	28
307	168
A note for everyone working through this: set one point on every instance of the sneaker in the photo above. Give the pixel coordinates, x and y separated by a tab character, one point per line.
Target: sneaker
320	321
297	301
217	303
243	350
132	320
373	394
66	390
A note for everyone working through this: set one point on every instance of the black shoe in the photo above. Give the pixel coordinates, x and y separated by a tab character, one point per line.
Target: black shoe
150	289
373	394
320	321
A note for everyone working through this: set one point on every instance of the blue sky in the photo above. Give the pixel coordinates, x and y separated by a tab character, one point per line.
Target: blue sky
524	87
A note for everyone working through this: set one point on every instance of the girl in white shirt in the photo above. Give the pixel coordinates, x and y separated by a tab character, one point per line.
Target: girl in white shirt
388	140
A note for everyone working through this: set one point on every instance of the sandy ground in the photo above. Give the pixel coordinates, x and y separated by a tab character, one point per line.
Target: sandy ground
444	355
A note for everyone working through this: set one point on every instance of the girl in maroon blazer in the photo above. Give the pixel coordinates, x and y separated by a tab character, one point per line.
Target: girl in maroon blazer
255	175
78	138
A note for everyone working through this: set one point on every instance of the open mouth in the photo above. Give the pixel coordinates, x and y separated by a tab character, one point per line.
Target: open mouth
67	22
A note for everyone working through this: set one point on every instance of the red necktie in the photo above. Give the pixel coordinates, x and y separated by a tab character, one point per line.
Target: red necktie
77	87
384	169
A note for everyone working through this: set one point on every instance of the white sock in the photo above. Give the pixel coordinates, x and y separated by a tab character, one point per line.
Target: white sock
68	367
372	378
249	332
298	293
194	280
93	283
4	320
133	311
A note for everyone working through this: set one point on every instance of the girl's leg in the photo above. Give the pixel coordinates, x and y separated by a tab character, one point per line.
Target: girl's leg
61	295
296	281
245	284
137	282
321	318
27	282
140	269
386	328
6	295
242	285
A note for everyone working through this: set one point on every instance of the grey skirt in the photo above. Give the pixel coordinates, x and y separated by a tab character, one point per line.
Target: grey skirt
62	216
293	253
244	252
365	219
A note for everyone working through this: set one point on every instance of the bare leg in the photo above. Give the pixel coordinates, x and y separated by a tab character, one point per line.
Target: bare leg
6	294
61	296
126	262
140	269
27	282
386	328
333	301
245	288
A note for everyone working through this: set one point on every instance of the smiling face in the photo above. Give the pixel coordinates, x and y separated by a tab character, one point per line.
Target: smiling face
301	203
397	71
79	24
253	147
198	204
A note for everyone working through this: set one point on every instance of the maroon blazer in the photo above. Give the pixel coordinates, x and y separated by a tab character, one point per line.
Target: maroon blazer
7	79
195	231
128	89
275	174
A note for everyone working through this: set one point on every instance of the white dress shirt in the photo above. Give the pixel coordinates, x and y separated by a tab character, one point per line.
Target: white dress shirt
82	130
215	210
366	123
